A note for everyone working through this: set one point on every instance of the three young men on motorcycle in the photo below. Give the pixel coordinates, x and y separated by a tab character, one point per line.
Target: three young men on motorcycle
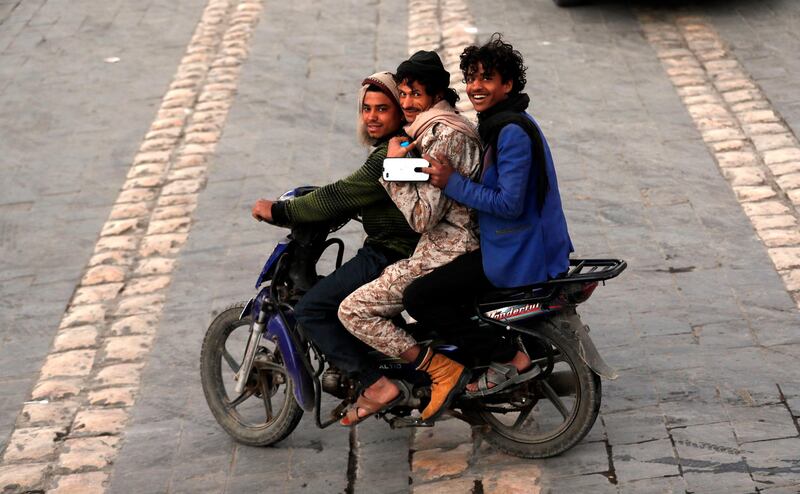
517	198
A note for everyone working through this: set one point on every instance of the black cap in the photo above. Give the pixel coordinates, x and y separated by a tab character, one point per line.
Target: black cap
427	66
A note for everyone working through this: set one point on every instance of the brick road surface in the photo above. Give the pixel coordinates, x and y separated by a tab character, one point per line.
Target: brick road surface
292	124
70	125
701	325
763	36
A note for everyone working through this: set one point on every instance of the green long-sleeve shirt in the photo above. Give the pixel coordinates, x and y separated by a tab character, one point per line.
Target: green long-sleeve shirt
361	192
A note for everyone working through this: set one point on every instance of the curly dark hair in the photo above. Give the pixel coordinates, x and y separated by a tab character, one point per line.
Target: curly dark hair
432	86
498	55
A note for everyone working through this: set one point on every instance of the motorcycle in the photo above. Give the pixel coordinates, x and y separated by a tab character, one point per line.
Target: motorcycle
260	372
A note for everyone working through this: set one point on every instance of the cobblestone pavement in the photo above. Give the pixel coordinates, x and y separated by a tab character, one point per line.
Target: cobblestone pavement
66	144
293	73
679	156
701	325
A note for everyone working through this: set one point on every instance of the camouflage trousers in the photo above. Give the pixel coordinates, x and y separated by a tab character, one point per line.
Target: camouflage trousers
367	312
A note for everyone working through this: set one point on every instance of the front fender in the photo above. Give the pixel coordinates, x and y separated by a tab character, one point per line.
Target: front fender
570	322
293	360
279	329
248	309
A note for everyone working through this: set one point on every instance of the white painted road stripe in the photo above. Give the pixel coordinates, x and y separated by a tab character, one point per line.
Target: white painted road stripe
754	148
68	434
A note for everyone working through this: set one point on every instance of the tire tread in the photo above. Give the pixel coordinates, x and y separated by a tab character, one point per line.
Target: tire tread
587	414
290	414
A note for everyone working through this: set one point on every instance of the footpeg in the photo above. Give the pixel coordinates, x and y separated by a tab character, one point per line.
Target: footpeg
406	422
340	410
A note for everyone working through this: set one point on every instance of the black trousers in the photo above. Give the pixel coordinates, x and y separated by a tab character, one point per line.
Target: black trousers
443	300
317	313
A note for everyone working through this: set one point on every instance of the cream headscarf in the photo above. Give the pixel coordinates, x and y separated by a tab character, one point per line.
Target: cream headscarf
385	81
445	113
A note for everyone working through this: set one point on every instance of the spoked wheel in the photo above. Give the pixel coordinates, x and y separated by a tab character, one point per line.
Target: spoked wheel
265	412
544	417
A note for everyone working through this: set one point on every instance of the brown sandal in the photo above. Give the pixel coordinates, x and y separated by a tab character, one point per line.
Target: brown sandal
368	405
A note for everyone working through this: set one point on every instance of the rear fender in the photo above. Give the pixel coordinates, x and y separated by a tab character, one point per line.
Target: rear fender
570	323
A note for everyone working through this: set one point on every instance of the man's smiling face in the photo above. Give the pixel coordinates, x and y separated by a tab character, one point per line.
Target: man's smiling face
380	114
414	99
486	89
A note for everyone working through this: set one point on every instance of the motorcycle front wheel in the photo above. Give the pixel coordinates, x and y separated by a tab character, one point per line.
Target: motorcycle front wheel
266	411
546	416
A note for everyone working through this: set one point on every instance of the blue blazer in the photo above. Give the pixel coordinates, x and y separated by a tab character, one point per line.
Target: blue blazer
520	245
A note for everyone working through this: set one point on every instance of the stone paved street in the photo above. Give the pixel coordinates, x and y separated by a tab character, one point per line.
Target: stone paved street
136	136
70	124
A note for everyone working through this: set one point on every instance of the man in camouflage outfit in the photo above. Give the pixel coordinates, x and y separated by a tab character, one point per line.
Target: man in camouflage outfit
446	227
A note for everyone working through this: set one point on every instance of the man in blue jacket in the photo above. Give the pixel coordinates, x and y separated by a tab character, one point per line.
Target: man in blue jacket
523	231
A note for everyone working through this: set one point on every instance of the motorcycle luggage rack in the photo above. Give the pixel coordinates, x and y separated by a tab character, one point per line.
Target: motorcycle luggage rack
589	270
580	271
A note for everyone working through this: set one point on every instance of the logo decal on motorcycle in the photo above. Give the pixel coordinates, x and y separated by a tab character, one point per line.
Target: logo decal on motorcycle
513	312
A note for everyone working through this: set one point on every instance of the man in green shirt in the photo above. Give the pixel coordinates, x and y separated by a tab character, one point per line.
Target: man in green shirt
389	236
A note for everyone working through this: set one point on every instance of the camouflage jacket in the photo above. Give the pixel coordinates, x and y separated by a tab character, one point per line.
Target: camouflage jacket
447	227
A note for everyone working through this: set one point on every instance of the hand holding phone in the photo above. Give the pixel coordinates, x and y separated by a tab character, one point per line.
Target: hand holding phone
439	170
404	170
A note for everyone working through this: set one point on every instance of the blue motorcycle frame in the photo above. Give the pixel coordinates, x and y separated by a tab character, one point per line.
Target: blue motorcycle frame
268	315
275	321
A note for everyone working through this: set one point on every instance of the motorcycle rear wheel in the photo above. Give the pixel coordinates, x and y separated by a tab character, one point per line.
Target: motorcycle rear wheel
250	418
554	414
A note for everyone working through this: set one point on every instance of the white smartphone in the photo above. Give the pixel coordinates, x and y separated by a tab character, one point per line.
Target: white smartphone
404	170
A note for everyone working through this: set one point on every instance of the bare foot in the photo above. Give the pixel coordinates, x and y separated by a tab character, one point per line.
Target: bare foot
382	391
521	361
